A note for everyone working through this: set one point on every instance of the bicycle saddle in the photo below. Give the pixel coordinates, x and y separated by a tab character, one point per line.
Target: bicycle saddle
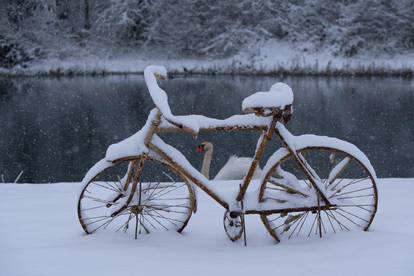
279	97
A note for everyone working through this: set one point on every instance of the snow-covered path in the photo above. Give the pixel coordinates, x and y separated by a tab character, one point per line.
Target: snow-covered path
40	235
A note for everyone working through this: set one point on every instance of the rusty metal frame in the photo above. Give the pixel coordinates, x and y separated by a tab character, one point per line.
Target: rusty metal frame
268	132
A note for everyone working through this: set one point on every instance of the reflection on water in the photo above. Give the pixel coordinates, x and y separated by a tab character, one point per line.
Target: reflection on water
55	129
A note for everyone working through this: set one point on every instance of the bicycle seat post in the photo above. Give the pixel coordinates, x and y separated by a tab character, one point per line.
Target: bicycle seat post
265	138
154	125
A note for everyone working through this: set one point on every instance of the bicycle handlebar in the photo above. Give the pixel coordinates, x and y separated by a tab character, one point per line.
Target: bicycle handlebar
160	99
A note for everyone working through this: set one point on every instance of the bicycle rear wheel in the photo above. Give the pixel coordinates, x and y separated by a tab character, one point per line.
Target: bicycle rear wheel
161	200
346	180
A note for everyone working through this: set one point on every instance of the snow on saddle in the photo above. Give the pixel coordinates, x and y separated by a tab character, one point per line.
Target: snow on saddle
278	98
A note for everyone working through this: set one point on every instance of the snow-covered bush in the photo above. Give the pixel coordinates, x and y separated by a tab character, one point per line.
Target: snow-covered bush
372	25
125	20
11	53
23	25
219	28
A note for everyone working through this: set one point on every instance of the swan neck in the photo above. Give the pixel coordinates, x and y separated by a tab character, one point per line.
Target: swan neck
150	79
205	169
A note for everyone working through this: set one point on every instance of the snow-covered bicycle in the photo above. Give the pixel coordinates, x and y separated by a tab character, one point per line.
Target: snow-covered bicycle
311	185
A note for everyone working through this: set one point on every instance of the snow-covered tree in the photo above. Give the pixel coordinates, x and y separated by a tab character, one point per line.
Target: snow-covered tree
125	20
203	28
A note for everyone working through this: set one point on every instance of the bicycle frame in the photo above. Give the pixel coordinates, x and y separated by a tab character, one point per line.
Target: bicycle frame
275	126
290	187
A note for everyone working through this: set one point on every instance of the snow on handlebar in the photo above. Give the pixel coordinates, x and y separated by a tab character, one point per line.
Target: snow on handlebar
160	99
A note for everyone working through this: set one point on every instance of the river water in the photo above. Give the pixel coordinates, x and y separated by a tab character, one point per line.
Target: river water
54	129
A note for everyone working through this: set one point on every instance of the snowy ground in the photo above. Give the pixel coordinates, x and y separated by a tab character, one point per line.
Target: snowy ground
40	235
260	58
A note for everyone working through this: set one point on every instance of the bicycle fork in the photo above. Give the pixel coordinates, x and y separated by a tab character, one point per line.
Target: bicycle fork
134	177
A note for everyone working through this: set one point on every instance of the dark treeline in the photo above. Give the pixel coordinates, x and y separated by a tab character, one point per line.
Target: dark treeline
33	29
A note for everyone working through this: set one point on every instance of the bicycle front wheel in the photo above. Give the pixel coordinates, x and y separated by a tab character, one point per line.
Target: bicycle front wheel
348	182
161	200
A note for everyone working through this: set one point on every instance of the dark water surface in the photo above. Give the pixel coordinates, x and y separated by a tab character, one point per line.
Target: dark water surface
55	129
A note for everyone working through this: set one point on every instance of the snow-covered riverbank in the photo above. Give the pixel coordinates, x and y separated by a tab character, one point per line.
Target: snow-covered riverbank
40	235
264	59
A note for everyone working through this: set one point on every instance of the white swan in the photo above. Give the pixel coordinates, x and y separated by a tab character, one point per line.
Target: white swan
235	168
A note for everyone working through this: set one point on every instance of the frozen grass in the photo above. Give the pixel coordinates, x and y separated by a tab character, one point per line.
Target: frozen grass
267	58
40	235
211	67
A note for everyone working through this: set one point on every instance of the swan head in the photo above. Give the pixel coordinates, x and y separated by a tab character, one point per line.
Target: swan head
160	72
204	147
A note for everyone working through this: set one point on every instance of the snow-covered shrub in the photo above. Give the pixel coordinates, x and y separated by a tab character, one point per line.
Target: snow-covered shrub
18	10
218	28
11	53
125	20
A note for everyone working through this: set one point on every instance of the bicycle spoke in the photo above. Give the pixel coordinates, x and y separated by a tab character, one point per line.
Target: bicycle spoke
168	211
353	182
102	225
171	220
291	223
354	205
297	225
115	187
96	217
142	223
100	200
154	189
323	225
286	188
347	218
136	226
279	200
359	196
352	214
279	217
337	221
330	222
362	208
169	206
159	195
125	224
156	220
313	223
93	222
107	188
159	190
147	220
336	185
303	222
308	183
175	198
93	208
354	191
